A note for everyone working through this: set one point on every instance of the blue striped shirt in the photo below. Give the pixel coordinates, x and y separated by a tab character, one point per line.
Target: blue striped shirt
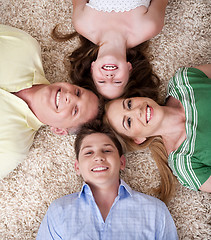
133	215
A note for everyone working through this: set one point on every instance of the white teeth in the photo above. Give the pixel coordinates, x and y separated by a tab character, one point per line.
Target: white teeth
58	98
148	114
109	67
99	169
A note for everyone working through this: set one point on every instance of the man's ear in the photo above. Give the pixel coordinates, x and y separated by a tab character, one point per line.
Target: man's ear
77	168
59	131
122	162
139	140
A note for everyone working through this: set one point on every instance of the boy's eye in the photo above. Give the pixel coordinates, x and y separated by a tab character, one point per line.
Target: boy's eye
78	93
101	81
88	153
107	151
129	104
129	122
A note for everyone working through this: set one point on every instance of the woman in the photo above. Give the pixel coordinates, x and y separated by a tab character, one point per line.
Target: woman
113	28
183	125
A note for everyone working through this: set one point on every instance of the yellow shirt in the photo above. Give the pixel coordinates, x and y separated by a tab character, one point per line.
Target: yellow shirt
20	68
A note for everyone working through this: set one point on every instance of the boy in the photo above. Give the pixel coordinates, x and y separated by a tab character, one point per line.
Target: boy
28	100
106	207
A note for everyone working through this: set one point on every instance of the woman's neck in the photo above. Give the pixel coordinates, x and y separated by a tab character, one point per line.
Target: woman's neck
174	131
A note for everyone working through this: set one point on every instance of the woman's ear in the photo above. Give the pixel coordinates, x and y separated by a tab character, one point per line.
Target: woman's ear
139	140
122	162
59	131
129	66
92	65
77	168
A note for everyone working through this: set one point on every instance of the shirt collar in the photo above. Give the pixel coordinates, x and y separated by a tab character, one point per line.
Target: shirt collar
124	190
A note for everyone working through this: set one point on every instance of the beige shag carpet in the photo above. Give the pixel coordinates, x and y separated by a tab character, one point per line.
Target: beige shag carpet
48	172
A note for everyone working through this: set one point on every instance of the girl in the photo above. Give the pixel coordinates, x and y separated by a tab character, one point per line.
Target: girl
182	126
113	28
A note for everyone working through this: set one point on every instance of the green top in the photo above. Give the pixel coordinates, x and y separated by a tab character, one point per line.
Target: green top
191	162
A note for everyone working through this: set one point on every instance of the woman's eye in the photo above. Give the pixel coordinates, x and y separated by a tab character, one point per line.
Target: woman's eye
78	93
129	122
129	104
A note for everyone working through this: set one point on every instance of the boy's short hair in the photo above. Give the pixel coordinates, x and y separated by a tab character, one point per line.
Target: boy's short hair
96	126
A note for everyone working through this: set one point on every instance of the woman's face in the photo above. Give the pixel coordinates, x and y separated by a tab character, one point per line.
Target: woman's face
137	118
110	76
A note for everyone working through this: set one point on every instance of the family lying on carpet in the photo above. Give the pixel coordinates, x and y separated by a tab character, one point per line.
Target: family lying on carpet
110	63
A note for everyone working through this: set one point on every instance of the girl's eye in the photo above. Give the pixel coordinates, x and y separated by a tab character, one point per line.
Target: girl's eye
129	104
129	122
78	93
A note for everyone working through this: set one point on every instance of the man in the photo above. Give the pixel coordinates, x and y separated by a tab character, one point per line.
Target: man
29	101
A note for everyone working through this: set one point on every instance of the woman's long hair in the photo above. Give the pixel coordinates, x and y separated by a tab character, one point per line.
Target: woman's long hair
167	187
142	80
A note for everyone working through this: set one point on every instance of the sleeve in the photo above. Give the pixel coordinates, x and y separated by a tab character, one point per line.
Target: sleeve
167	229
50	225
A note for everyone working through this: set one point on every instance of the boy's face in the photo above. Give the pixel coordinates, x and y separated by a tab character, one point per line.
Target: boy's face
63	105
99	161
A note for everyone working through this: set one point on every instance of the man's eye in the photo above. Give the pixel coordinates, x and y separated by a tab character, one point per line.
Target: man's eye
78	93
129	104
129	122
75	110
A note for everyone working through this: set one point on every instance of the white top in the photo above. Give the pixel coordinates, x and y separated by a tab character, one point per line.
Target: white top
117	5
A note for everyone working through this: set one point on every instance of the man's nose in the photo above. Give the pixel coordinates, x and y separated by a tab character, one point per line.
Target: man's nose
70	98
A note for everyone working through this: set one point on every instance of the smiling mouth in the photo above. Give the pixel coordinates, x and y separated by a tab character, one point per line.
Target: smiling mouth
99	169
58	98
148	114
109	67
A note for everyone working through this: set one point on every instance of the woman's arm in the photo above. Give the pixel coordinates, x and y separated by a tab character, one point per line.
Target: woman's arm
206	69
206	187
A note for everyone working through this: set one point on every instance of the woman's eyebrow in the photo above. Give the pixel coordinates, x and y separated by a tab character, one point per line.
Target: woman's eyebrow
123	103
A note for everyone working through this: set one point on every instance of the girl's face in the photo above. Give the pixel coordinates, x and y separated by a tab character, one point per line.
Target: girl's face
110	76
137	118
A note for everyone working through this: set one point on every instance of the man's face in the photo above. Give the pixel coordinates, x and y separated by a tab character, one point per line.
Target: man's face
63	105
